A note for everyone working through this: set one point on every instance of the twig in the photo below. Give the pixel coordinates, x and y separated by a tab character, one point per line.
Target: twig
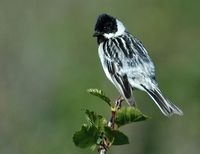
104	147
102	150
118	104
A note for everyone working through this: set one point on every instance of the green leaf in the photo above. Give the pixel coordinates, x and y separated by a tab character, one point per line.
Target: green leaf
100	94
96	120
86	137
126	115
115	136
93	147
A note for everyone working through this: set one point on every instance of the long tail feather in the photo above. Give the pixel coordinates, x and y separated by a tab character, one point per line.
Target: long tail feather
164	105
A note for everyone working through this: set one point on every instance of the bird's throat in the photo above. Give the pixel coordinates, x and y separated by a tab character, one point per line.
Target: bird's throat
101	39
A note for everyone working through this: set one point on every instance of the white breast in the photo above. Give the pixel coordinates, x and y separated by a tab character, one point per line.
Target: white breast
103	61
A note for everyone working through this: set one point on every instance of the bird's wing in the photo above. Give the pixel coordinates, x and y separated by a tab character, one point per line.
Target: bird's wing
135	55
144	57
120	80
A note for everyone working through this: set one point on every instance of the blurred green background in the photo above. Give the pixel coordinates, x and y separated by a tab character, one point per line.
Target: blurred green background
48	59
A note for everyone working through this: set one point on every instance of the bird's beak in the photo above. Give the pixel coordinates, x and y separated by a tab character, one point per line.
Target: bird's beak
96	33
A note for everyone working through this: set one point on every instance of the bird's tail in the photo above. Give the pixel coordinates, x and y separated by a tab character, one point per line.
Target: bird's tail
164	104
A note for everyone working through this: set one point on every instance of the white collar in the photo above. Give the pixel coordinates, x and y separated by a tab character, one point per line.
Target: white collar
120	30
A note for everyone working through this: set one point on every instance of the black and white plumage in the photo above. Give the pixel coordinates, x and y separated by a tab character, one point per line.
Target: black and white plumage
127	64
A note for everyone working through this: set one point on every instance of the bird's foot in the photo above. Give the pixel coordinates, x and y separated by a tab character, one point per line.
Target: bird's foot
117	106
118	102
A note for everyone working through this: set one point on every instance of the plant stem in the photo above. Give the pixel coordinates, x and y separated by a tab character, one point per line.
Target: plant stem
103	148
103	151
118	104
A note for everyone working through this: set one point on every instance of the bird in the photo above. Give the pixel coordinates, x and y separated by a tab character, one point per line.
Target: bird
127	63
